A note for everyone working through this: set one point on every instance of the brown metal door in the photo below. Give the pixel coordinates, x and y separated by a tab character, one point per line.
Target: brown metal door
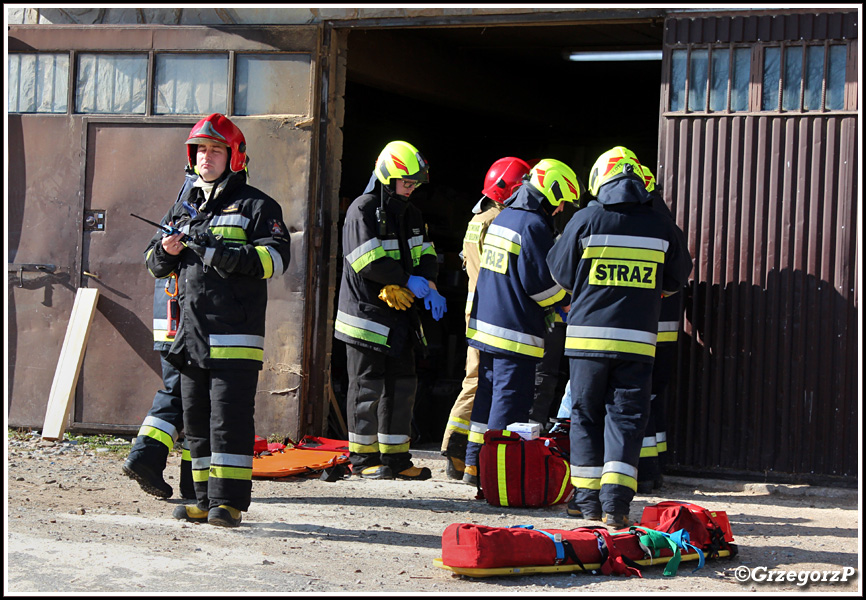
125	172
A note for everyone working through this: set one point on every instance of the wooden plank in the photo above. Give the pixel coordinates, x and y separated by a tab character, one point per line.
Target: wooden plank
69	364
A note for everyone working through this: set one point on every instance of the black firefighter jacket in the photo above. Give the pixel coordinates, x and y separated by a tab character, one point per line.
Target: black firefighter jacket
372	260
222	322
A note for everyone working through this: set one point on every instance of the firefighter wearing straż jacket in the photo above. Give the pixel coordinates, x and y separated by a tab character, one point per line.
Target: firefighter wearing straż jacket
161	427
514	301
618	256
503	177
386	251
654	446
236	242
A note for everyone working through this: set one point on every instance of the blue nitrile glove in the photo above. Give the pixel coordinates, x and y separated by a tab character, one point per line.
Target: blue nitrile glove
436	304
418	286
562	314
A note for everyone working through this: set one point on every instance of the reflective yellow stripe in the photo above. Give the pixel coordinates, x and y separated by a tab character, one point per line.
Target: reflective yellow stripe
649	451
625	273
564	482
553	299
662	446
200	475
476	437
157	434
185	455
501	480
611	478
498	342
586	483
231	234
667	336
614	252
368	257
266	260
363	448
393	448
161	335
245	353
610	346
240	473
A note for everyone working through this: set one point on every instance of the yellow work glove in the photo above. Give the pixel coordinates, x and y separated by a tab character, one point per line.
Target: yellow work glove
397	296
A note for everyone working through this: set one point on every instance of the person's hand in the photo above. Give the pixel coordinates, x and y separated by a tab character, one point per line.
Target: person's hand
435	303
418	286
172	244
396	297
214	253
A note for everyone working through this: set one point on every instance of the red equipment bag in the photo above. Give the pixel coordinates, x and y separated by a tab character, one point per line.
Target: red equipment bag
467	545
708	530
513	471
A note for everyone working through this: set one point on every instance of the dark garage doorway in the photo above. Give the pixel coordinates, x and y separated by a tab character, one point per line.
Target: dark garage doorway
466	97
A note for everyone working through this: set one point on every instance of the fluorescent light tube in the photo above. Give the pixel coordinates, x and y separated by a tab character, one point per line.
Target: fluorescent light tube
615	56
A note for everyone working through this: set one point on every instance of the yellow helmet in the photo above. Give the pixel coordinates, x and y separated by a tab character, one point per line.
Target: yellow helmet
616	163
648	179
556	180
401	160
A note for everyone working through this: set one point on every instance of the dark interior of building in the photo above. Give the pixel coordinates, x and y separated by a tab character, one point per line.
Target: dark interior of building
465	97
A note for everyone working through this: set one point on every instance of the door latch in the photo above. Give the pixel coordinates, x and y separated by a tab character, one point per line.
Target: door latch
33	268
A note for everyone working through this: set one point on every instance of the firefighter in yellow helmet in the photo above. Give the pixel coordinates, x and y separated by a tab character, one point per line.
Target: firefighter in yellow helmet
514	294
617	256
389	272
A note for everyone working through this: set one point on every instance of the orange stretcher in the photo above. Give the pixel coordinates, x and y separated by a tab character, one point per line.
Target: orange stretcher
296	461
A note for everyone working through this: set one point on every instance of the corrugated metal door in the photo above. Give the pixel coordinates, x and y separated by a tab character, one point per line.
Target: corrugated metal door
767	369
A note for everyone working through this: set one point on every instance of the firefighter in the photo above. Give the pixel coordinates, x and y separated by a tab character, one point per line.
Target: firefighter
503	177
514	299
233	241
618	256
389	262
161	427
654	447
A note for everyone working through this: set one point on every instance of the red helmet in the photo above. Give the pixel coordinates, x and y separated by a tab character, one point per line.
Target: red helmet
503	177
217	128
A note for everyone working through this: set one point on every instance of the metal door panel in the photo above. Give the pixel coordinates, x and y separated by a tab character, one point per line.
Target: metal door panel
44	159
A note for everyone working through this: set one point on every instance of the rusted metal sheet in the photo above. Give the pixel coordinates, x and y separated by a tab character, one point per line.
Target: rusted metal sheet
767	370
772	27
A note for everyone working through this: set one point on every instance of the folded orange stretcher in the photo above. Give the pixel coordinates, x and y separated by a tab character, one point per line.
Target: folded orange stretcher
683	532
310	455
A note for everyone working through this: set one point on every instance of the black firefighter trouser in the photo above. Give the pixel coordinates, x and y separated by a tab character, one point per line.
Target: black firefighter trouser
219	424
162	425
379	403
610	410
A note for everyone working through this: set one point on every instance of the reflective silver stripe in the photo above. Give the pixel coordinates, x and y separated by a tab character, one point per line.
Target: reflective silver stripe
363	323
234	220
165	426
390	245
393	439
161	324
208	256
202	463
611	333
363	249
614	466
625	241
427	246
547	294
661	437
504	232
279	267
363	440
237	340
586	472
185	444
669	326
508	334
649	442
416	240
477	427
232	460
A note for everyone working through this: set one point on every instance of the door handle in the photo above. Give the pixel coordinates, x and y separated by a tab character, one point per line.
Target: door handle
20	268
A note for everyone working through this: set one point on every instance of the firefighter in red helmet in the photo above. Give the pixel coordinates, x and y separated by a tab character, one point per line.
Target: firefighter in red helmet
503	178
232	241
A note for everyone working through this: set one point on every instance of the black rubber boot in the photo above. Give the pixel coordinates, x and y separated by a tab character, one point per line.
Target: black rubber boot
149	480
